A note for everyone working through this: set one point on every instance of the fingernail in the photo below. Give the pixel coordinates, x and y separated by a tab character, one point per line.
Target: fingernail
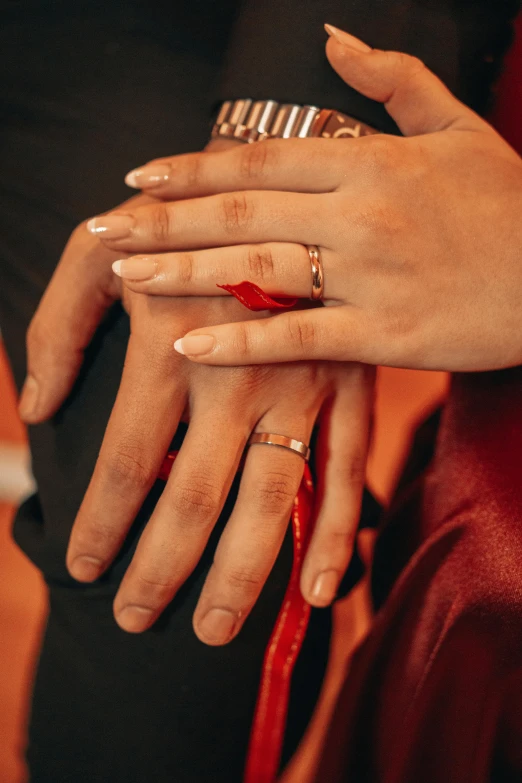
148	176
218	625
134	619
28	398
135	268
346	39
196	345
325	587
111	226
85	568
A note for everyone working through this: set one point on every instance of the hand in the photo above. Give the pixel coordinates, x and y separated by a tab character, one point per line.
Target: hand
420	237
82	287
226	405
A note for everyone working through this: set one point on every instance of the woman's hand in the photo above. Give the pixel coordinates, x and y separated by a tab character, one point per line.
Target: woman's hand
420	237
226	405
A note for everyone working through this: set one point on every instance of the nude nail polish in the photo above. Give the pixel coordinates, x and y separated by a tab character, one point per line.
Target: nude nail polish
139	269
217	626
195	345
325	587
346	39
148	176
111	226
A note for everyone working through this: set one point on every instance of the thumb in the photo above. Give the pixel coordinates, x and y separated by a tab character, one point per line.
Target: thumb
416	99
82	288
80	291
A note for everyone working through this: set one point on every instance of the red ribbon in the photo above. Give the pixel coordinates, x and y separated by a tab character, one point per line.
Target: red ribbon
253	297
268	727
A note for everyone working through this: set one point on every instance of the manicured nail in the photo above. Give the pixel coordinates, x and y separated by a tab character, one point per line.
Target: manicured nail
134	619
325	587
140	268
28	398
346	39
195	345
86	568
148	176
111	226
217	626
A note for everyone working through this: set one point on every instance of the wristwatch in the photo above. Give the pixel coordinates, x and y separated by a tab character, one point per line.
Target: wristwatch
248	121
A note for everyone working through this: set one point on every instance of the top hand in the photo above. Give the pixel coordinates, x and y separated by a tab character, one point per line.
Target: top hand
420	237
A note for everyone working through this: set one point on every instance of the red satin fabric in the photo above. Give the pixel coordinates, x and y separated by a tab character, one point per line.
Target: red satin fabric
434	695
254	298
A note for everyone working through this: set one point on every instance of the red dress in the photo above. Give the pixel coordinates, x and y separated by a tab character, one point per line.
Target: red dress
435	693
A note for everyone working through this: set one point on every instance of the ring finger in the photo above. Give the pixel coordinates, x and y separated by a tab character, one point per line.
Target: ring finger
278	268
255	531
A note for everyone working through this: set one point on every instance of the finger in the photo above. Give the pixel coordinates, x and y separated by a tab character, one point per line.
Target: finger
278	268
76	299
337	333
80	291
145	416
340	458
254	533
416	99
308	168
178	531
215	221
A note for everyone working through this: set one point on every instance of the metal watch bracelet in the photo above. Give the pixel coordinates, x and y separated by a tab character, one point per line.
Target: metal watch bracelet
248	121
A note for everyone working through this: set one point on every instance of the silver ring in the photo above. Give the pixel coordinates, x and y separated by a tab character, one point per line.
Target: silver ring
271	439
317	272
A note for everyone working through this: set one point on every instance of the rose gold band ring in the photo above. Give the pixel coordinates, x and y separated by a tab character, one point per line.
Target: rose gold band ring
270	439
317	272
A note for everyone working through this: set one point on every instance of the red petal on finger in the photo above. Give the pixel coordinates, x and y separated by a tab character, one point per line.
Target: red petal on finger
253	297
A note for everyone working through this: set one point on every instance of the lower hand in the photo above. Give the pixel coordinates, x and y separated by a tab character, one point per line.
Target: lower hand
226	405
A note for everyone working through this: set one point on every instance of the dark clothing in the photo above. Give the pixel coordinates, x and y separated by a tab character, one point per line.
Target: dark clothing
93	89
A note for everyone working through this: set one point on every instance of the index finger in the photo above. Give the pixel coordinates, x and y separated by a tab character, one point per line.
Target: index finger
297	165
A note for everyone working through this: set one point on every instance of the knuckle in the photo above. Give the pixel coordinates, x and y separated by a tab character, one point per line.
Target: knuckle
185	268
254	161
125	471
161	223
260	262
194	171
302	333
196	502
242	340
245	580
236	212
155	588
275	494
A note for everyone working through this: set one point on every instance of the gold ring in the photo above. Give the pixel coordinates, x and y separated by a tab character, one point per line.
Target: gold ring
270	439
317	272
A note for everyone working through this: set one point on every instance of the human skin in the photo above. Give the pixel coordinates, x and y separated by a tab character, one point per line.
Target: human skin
420	236
158	389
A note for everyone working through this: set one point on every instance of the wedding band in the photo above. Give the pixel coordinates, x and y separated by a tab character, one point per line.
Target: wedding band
317	272
270	439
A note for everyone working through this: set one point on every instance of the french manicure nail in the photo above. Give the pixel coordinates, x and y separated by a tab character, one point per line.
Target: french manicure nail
346	39
85	568
111	226
218	625
134	619
28	398
195	345
325	587
148	176
142	268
